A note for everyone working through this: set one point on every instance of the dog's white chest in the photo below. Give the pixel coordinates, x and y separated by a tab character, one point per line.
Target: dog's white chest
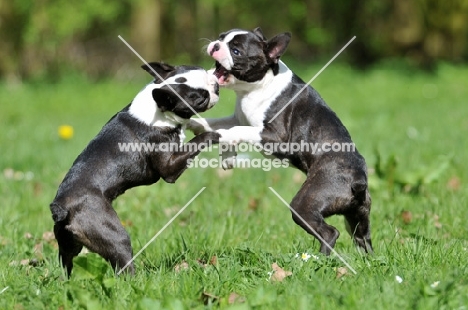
182	135
251	106
250	111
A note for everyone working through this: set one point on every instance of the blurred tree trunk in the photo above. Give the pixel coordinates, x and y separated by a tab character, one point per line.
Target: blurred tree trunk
186	31
44	40
146	29
180	33
360	52
12	23
208	28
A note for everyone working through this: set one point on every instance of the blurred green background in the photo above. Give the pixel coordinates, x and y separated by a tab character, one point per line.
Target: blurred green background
48	38
399	88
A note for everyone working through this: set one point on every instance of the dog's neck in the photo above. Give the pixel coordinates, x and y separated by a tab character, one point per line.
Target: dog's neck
144	109
270	80
254	99
170	117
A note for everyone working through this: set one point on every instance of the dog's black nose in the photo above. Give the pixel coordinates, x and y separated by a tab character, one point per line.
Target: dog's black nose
214	49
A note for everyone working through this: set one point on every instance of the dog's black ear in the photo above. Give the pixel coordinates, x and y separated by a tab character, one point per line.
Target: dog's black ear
277	45
165	99
160	68
258	31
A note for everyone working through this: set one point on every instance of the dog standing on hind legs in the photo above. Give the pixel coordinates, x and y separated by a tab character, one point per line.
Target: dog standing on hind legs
82	209
336	182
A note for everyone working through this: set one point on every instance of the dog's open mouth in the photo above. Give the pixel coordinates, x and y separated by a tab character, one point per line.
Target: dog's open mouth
221	73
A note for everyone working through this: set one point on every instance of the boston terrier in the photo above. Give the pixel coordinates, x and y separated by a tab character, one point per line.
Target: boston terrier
82	209
274	106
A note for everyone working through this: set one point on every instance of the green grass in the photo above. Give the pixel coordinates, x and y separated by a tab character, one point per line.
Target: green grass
419	120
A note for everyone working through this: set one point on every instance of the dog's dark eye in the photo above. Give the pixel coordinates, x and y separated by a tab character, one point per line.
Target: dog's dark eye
236	51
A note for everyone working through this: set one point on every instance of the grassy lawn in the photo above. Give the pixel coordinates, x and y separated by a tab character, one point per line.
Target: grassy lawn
411	128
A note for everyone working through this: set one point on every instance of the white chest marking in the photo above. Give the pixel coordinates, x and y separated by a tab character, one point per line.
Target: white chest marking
176	120
182	136
254	99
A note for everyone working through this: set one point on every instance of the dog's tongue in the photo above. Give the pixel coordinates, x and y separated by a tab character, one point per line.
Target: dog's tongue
222	80
221	73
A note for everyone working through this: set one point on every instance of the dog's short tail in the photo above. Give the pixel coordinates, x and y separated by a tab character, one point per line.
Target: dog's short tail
58	213
359	186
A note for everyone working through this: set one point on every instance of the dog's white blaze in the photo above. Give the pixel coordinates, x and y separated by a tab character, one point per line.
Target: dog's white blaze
194	79
254	99
197	79
226	62
232	34
222	55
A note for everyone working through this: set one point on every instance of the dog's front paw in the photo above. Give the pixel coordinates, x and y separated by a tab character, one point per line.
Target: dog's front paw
196	126
228	136
211	136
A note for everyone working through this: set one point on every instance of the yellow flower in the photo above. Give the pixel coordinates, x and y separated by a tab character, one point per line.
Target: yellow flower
65	132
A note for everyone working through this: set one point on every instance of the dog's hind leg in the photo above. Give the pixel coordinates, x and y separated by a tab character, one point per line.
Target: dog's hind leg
357	223
68	246
313	203
99	229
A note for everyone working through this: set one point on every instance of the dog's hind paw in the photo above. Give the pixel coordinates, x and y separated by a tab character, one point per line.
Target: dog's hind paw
229	163
228	160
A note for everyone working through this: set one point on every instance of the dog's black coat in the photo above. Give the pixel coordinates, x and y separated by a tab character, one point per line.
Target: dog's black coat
336	182
82	209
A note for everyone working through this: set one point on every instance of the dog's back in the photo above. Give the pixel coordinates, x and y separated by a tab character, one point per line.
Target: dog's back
82	209
110	165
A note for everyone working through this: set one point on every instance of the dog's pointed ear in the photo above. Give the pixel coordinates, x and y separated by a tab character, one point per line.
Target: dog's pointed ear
277	45
258	31
158	68
165	99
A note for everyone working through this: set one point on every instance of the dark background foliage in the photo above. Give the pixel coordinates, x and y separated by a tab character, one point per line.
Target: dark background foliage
45	38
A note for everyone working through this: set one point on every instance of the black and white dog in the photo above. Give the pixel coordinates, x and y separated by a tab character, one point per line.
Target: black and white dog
336	182
82	209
